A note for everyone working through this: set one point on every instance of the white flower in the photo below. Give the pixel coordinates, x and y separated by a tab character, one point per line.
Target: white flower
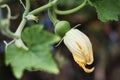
80	47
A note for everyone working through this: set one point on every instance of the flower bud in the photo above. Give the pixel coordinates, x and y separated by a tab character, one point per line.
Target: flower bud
31	17
80	47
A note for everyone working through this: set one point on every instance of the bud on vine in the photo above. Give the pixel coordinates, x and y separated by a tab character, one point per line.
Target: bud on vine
80	47
62	27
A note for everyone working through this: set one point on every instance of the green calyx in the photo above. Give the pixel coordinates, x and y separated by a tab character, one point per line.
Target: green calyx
62	27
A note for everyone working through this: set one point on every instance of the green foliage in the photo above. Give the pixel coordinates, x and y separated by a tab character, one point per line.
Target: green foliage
106	9
38	57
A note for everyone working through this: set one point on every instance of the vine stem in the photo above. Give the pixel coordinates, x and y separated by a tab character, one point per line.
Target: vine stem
19	43
71	10
23	22
8	33
40	9
20	28
8	9
34	12
4	23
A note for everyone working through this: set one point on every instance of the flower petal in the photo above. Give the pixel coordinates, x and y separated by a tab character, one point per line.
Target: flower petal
81	48
82	64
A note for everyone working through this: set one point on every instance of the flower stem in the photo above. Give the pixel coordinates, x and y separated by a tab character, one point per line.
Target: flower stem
71	10
52	16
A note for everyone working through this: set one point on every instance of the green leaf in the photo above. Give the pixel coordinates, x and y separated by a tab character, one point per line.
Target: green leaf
38	57
106	9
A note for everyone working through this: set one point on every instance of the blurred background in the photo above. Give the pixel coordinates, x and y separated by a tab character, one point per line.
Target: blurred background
105	38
